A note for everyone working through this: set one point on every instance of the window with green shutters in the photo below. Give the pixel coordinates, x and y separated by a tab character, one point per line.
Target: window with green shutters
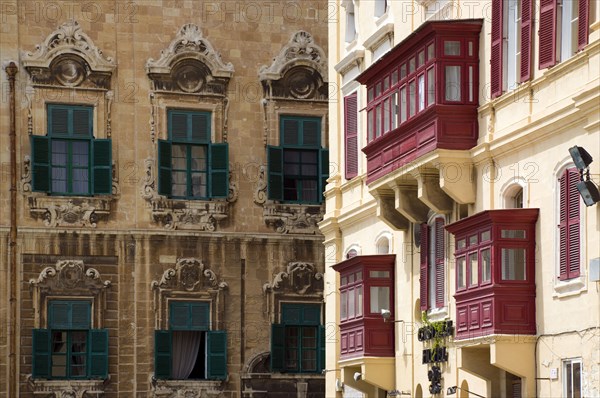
299	167
298	341
69	348
190	166
189	349
68	160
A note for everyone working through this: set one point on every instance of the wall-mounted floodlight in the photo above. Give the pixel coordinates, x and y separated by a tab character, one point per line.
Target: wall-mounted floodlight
452	391
587	188
357	376
386	315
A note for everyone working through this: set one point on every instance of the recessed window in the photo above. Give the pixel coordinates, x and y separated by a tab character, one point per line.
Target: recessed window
68	160
350	22
190	165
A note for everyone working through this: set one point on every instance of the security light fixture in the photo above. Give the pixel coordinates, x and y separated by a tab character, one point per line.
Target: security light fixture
386	315
357	376
587	188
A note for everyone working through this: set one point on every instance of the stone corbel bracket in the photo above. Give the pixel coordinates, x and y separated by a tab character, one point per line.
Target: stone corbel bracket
203	215
68	57
293	218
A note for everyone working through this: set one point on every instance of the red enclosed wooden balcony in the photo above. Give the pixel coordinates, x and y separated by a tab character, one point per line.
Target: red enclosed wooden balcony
423	95
366	287
495	273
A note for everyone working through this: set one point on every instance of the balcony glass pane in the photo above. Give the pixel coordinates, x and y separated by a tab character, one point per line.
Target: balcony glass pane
430	86
378	121
461	272
386	84
370	127
351	304
472	240
513	264
421	92
486	265
380	298
453	92
473	271
403	104
402	71
394	77
451	47
513	233
421	58
470	84
411	65
359	301
412	102
379	274
386	114
343	305
470	49
461	244
485	235
430	51
358	276
394	100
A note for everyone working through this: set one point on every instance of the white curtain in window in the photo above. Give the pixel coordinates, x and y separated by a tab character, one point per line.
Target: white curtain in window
185	351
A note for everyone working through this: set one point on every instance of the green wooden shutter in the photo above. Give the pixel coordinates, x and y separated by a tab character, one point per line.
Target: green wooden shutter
80	314
58	120
199	316
219	170
98	355
292	314
290	128
179	316
311	133
58	315
311	315
178	126
324	172
200	127
102	166
41	354
216	354
40	163
82	123
165	184
321	351
277	348
162	354
275	172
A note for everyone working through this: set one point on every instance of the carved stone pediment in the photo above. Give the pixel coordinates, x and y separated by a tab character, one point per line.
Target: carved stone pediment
190	64
66	388
69	58
293	218
69	276
189	275
203	215
299	71
298	278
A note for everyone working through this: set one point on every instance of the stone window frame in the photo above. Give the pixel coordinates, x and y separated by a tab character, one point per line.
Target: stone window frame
68	68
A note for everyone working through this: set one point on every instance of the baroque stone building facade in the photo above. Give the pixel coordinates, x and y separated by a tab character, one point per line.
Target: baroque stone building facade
162	184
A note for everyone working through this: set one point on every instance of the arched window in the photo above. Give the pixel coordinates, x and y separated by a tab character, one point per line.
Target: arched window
350	22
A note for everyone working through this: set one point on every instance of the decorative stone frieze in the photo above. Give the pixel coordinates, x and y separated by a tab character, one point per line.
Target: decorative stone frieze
69	58
260	188
66	388
298	278
203	215
298	72
186	388
69	211
293	218
190	64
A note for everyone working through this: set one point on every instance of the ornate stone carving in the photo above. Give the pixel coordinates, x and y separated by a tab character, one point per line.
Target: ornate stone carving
186	388
69	58
69	212
293	219
299	278
66	388
299	71
190	64
203	215
26	175
189	275
69	276
260	189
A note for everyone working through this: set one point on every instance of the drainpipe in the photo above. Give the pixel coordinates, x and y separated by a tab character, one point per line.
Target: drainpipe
11	71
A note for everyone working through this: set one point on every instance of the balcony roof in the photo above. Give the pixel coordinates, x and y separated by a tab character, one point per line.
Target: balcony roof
458	27
375	260
500	216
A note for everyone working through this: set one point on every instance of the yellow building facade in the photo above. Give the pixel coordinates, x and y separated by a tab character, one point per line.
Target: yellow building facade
461	258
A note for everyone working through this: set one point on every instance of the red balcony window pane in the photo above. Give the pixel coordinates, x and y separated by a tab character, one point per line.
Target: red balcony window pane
412	101
379	299
461	273
513	234
513	264
402	71
473	270
486	265
452	47
421	58
403	104
421	93
485	235
452	75
430	86
430	51
411	65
